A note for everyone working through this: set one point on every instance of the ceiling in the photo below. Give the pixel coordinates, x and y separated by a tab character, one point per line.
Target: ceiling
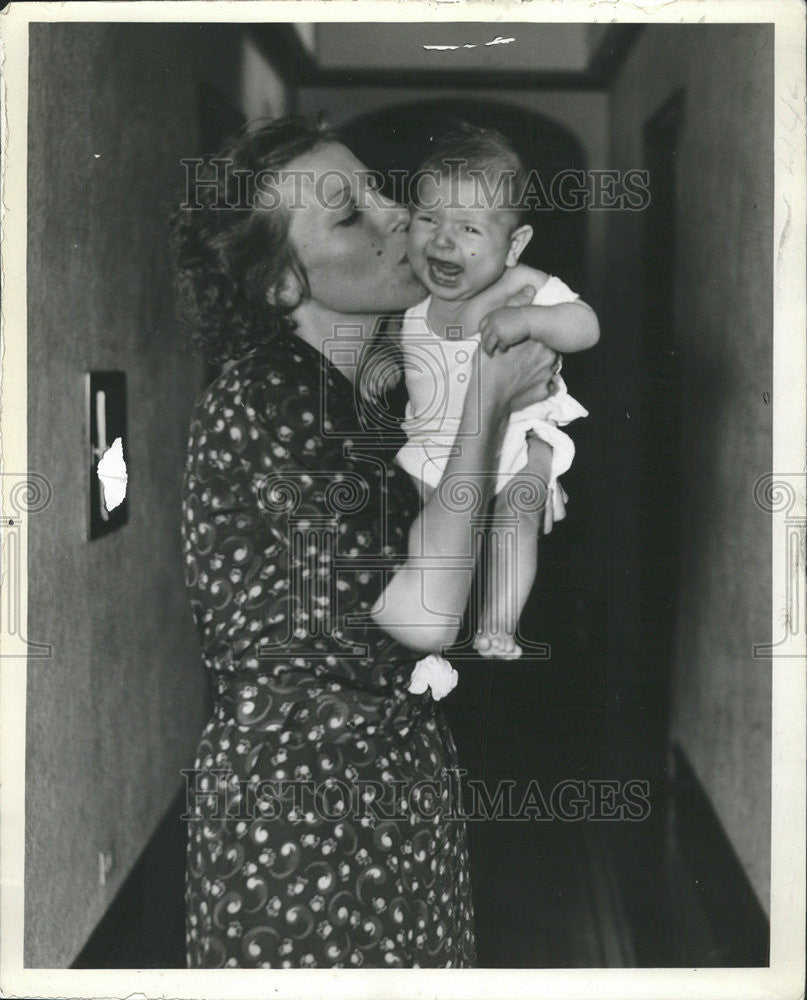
471	53
452	46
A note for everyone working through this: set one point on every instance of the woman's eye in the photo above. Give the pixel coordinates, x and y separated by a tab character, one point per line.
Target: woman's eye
350	219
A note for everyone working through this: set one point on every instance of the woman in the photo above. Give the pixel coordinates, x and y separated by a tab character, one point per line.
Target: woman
324	822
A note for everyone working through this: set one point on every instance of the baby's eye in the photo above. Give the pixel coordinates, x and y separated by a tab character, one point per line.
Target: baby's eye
471	229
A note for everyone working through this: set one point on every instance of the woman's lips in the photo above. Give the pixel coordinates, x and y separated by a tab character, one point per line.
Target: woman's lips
444	273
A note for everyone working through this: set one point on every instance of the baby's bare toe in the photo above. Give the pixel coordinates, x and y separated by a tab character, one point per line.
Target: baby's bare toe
497	645
482	642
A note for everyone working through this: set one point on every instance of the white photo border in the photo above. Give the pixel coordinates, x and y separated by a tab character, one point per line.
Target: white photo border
785	976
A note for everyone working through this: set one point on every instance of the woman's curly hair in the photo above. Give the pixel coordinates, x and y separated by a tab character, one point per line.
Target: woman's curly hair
231	251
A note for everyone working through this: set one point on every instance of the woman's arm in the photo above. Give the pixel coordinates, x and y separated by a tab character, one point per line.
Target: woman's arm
423	604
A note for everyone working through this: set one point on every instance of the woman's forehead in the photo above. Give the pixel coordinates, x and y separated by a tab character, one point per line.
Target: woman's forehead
321	175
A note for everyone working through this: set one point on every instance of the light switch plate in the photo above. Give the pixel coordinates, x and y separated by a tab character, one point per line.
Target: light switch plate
106	421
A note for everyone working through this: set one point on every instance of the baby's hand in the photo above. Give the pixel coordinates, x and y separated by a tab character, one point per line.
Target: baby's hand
500	294
503	328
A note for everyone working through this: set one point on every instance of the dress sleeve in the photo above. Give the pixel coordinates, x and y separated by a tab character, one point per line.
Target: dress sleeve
289	594
247	495
326	519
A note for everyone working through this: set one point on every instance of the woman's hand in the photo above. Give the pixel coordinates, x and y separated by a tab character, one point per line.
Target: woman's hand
519	377
535	394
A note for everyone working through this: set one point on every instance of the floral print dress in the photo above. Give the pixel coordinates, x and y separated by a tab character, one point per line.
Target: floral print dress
324	815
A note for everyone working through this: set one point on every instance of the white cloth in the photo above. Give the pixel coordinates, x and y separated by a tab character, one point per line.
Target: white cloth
433	672
437	372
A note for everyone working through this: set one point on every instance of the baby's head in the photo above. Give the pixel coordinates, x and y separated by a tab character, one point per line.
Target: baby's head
467	213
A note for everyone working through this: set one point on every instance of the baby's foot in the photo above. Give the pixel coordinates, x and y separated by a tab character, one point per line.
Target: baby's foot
497	645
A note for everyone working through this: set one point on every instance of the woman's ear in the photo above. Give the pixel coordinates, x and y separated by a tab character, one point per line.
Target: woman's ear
519	239
287	292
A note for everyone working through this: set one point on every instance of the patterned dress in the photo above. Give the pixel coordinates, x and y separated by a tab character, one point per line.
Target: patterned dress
324	814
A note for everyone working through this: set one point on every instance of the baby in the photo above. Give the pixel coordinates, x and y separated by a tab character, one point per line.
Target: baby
465	239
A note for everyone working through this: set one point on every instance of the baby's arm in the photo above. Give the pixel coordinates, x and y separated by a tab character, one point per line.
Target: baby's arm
514	281
565	327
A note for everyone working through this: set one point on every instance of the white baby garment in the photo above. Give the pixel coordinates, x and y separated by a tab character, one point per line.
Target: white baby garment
437	372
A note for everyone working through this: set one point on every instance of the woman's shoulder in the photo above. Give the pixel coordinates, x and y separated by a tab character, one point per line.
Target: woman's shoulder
261	377
253	415
236	380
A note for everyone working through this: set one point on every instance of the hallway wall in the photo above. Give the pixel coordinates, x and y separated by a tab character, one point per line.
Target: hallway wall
720	695
115	714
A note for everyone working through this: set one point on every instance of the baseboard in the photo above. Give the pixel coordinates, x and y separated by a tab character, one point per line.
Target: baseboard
738	927
144	926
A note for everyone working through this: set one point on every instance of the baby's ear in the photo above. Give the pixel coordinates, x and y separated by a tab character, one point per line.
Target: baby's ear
518	241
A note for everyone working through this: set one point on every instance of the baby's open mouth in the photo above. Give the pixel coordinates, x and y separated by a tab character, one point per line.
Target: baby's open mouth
444	273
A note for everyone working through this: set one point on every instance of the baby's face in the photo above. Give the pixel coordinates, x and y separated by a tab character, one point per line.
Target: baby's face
457	246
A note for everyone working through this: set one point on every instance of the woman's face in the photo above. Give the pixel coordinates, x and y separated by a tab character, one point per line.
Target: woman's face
350	240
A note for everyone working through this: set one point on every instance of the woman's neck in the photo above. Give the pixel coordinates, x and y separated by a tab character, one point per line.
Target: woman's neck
340	337
445	316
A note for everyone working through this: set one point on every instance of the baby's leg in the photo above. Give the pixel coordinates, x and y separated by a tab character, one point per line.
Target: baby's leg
512	553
